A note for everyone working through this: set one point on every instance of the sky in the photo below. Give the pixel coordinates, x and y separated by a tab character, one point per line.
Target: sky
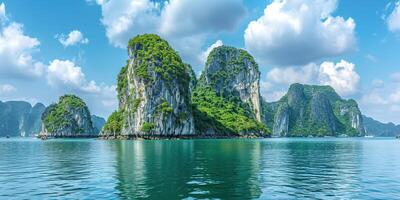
49	48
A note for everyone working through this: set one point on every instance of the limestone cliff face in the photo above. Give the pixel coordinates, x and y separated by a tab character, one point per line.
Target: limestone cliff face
350	113
154	90
231	71
69	117
227	95
98	123
281	125
19	118
314	110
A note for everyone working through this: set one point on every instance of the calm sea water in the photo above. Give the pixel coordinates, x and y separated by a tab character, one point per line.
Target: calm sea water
200	169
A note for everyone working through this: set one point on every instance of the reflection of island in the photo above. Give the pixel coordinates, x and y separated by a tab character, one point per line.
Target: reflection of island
226	169
153	169
191	168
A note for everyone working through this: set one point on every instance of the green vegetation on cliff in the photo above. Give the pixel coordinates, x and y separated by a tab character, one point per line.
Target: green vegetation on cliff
114	123
225	62
224	116
156	55
313	110
58	116
221	104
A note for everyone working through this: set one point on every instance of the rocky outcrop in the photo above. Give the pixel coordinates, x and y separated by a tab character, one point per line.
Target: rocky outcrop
313	110
19	118
154	91
98	123
233	72
281	125
379	129
70	117
227	96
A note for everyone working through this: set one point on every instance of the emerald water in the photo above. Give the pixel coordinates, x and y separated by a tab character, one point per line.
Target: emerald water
328	168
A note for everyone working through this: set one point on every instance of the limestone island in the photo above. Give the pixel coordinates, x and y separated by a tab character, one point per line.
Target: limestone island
160	97
69	118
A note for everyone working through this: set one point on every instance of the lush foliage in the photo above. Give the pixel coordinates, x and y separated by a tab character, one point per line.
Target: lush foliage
231	62
122	81
301	122
164	108
154	54
57	116
147	127
114	124
224	115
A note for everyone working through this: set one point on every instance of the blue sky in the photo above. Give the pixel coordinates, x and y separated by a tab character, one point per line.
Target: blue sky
55	47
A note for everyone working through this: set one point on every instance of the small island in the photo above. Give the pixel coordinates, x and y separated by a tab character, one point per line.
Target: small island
69	118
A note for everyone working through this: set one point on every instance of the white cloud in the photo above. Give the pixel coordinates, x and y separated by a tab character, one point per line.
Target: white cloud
269	94
373	98
306	74
203	56
395	97
16	50
297	32
7	88
184	23
65	73
65	76
341	76
123	19
3	16
16	61
382	104
73	38
189	17
393	21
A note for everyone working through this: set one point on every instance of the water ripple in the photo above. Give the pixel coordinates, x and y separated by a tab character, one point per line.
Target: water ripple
200	169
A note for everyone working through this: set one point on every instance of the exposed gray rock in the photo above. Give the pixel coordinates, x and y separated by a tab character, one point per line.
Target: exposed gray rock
98	123
154	97
19	118
313	110
70	117
232	71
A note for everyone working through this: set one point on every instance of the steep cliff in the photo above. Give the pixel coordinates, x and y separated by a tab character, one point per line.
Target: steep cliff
313	110
69	117
233	72
19	118
227	96
98	123
379	129
153	91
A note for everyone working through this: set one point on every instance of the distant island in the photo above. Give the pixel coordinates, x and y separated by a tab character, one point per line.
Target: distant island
70	117
160	97
21	119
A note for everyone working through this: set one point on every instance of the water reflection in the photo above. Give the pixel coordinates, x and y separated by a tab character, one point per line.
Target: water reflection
188	169
200	169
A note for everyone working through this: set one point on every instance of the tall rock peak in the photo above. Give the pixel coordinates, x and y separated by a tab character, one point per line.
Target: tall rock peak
153	91
227	95
232	71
